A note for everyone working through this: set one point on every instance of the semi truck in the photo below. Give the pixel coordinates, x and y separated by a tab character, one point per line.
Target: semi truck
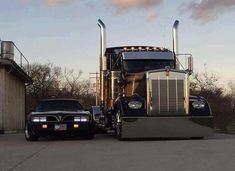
145	92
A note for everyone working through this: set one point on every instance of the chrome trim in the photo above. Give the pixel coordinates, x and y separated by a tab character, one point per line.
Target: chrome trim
159	94
176	95
187	84
167	93
148	55
149	93
175	41
172	92
103	60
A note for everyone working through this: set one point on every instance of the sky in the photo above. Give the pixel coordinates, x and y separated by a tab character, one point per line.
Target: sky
65	32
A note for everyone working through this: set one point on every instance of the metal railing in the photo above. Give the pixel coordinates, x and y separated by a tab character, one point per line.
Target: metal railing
23	61
18	58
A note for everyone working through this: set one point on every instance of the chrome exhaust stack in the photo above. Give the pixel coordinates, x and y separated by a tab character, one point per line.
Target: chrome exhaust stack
175	41
103	60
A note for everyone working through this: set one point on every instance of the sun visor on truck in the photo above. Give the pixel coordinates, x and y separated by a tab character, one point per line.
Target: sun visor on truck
148	55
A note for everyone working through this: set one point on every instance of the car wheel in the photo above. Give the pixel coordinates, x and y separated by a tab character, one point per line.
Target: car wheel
29	136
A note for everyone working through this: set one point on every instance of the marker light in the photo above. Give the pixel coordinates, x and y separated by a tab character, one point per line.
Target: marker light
44	126
76	126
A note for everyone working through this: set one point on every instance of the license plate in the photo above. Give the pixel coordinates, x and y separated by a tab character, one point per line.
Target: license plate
60	127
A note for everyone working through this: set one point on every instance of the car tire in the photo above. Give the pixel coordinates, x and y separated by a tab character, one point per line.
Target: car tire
29	135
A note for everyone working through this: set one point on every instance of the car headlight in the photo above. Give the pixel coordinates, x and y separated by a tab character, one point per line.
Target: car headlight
84	119
77	119
135	104
39	119
43	119
81	118
198	104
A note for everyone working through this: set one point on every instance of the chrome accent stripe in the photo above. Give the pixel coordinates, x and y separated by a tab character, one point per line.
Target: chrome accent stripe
159	94
148	91
176	95
167	93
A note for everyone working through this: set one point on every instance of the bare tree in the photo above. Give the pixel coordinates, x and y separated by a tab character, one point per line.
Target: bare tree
52	81
206	84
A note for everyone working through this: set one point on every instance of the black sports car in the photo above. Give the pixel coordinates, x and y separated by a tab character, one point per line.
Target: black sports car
59	117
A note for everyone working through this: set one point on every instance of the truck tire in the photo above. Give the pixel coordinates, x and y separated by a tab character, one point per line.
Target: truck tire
29	135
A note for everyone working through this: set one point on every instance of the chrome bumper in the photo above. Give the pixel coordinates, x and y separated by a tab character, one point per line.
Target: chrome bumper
167	127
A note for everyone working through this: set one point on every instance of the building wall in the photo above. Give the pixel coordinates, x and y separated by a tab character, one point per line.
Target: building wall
2	96
14	104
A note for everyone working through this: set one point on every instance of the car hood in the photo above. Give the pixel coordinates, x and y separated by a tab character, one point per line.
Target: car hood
62	112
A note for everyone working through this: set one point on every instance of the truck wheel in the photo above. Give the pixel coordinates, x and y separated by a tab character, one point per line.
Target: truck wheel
29	135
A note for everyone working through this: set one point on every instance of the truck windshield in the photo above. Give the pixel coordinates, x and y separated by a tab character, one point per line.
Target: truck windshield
134	66
58	105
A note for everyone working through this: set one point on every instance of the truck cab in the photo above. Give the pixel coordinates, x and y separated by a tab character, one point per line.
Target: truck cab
145	93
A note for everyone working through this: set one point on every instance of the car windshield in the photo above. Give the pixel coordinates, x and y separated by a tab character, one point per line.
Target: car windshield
134	66
61	105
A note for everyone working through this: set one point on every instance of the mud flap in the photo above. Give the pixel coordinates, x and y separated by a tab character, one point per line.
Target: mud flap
167	127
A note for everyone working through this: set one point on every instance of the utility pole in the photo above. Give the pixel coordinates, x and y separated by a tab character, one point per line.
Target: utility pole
97	83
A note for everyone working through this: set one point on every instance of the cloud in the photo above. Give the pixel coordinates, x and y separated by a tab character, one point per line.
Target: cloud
47	2
122	5
152	16
205	11
56	2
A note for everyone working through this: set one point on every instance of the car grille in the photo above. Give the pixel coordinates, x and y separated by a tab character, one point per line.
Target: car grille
68	118
52	119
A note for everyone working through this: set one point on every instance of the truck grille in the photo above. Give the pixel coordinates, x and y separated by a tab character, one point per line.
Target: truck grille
167	94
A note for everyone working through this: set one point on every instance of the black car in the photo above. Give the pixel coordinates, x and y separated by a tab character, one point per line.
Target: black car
64	117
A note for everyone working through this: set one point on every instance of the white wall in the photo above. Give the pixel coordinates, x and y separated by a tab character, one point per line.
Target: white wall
13	102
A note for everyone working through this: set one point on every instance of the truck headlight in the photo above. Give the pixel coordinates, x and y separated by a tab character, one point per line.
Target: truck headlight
135	104
198	104
39	119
